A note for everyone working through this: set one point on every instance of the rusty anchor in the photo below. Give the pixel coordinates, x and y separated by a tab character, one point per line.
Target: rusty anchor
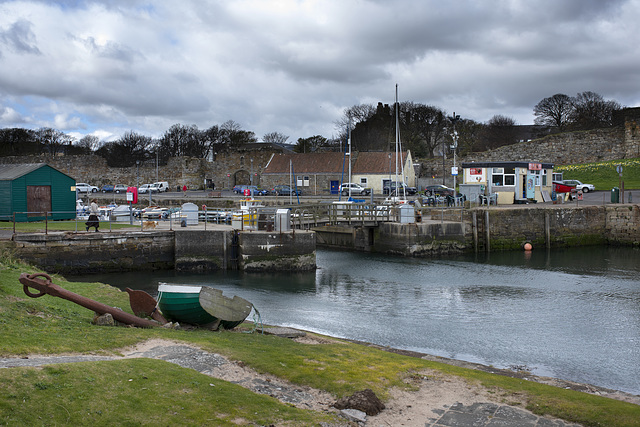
42	282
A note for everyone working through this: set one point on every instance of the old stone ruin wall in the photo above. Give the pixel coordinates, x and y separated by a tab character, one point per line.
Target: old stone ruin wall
620	142
224	171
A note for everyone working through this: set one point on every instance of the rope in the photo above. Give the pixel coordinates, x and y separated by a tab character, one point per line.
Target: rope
256	320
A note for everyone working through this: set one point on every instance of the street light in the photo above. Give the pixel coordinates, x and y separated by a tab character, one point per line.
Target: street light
454	146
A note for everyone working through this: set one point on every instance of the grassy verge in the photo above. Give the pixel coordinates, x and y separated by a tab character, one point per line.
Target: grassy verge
137	392
603	174
67	225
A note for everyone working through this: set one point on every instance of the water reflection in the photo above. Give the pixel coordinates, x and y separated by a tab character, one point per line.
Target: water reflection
572	314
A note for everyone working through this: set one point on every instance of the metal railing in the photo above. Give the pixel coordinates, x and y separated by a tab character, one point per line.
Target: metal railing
254	218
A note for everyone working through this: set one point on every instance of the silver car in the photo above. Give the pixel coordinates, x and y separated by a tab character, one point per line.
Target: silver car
585	188
355	189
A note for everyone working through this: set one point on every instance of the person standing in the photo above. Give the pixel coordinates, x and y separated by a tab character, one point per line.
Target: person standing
93	216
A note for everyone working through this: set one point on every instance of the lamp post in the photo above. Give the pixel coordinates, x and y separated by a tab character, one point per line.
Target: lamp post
137	173
454	146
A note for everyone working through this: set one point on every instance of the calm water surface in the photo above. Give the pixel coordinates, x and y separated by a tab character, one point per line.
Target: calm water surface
571	314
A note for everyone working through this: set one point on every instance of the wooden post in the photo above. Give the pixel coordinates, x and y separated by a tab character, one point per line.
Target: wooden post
488	233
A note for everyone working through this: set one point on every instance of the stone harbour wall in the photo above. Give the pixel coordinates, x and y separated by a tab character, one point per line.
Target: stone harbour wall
203	251
421	239
271	251
623	225
190	250
97	252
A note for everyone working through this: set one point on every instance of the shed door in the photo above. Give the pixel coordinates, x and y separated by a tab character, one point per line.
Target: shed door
38	199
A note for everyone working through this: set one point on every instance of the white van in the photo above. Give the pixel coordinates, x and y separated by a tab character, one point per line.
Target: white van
160	186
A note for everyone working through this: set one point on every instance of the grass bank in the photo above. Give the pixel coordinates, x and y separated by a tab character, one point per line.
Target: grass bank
603	174
135	392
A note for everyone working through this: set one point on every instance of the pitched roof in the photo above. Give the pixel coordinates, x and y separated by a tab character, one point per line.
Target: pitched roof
376	162
12	171
365	162
305	163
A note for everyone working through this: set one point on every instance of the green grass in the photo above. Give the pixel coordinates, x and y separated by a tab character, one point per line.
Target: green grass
70	225
603	174
134	392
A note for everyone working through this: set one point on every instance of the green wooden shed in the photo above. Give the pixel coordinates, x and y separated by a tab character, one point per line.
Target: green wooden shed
31	190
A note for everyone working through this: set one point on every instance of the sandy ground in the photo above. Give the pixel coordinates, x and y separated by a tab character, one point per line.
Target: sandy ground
434	391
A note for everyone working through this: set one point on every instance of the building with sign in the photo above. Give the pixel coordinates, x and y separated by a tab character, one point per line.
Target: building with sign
509	182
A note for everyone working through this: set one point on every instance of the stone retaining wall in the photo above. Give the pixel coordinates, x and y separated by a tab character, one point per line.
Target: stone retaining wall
266	251
97	252
192	250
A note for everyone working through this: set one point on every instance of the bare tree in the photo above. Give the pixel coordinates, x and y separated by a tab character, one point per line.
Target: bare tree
52	140
89	143
591	111
126	150
500	130
423	128
275	138
234	134
352	116
181	140
555	111
311	144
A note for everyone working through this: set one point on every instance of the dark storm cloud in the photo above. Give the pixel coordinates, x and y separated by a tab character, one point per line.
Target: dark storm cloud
293	66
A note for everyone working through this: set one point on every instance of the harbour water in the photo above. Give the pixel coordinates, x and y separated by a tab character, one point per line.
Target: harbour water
572	314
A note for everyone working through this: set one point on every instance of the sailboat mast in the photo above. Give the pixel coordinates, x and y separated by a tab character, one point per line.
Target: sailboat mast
349	142
397	137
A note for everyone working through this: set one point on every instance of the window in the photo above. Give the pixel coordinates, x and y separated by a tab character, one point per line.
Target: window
544	178
503	176
363	181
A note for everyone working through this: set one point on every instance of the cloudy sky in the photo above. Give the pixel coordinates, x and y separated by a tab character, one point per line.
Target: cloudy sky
293	66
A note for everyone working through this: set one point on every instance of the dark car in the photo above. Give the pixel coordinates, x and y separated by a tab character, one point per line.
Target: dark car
285	190
390	187
438	190
107	188
255	191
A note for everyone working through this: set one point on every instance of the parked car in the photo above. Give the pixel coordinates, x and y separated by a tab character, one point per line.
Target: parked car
257	191
585	188
160	187
285	190
390	186
355	189
144	188
82	187
107	188
438	190
119	188
238	189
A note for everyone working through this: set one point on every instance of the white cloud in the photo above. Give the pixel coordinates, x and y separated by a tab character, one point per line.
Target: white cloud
292	66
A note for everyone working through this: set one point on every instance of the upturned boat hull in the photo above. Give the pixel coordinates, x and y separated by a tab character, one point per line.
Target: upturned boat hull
201	305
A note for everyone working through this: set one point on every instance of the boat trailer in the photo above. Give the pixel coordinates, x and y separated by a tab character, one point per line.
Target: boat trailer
43	284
